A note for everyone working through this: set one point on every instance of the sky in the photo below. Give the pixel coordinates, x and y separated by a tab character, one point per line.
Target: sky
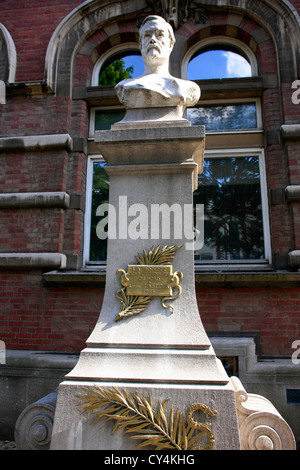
218	64
211	64
137	62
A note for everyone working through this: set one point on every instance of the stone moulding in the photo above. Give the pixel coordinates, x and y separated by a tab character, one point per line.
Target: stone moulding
294	259
250	370
32	260
36	143
292	193
290	132
32	200
261	426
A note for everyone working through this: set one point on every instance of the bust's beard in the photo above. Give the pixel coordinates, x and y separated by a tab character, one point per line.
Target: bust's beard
154	59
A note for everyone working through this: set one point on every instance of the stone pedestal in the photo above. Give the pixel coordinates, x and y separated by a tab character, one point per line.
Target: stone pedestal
160	352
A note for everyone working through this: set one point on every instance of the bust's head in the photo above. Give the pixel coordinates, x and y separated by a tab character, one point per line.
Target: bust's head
157	40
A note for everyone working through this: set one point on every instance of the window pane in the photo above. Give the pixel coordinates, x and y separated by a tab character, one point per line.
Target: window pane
218	63
98	248
105	119
215	117
136	63
229	188
120	67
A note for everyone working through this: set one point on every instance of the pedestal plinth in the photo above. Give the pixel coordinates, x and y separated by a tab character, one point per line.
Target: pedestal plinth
162	350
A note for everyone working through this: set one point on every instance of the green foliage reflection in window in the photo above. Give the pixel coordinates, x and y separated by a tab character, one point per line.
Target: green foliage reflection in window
105	119
100	194
120	68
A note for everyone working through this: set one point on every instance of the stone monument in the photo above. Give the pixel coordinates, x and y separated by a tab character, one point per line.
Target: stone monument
149	377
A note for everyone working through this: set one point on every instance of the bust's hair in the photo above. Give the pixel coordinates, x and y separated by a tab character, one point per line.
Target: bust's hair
167	25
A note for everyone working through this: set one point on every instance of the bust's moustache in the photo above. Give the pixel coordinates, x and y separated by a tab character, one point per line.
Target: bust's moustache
153	46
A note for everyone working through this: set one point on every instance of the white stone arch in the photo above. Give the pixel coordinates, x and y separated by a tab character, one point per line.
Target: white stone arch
278	17
11	53
70	34
220	40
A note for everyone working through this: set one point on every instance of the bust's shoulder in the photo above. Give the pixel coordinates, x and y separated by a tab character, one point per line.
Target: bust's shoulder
190	90
124	83
158	90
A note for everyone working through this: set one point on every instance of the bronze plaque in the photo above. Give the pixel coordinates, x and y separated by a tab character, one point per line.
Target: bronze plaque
149	280
152	277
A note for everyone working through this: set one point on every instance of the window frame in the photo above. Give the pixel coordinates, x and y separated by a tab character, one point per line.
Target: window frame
93	111
87	217
221	102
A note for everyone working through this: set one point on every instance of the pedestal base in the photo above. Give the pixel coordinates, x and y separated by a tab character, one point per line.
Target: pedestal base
73	429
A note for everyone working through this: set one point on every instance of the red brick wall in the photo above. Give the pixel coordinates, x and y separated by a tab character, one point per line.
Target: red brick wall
274	313
31	172
31	24
34	317
59	318
31	231
23	116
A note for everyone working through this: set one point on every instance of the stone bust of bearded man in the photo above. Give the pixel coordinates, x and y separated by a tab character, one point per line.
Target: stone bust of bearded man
156	94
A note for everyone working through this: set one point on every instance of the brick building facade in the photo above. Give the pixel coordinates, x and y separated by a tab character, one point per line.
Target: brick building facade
50	287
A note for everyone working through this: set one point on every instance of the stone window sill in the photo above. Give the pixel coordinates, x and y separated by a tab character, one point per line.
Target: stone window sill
204	279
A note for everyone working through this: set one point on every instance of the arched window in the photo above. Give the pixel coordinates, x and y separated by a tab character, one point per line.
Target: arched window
218	58
222	58
118	64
